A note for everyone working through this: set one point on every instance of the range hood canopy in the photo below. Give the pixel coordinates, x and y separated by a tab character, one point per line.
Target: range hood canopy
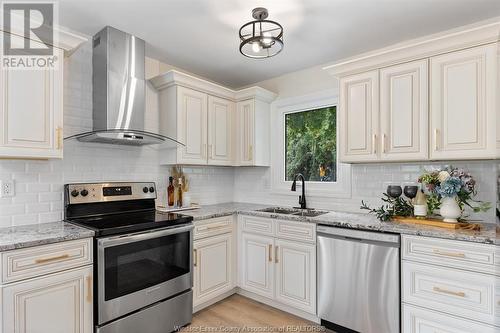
118	92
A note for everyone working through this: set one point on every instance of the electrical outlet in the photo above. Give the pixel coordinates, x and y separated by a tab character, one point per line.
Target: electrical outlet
6	188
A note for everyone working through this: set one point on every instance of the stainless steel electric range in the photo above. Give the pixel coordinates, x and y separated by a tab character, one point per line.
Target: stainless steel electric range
142	258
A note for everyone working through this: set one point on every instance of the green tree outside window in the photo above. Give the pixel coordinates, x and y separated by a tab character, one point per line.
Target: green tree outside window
311	144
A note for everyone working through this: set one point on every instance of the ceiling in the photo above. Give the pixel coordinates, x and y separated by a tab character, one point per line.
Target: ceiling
201	36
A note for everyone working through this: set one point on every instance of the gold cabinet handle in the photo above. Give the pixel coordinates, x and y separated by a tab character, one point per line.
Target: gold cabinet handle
270	253
46	260
195	257
250	153
449	292
89	289
449	254
59	138
374	143
436	135
384	142
276	254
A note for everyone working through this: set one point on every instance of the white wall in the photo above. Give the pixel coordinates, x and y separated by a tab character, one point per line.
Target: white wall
39	184
368	181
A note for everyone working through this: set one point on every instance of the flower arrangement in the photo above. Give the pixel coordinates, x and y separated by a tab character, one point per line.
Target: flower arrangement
451	182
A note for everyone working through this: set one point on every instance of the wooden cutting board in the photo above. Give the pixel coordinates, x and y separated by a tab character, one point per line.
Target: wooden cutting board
437	223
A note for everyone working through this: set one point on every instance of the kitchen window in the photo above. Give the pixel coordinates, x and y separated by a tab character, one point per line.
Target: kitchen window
311	144
304	140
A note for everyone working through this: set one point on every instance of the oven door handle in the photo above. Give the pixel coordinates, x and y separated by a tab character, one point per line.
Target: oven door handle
137	237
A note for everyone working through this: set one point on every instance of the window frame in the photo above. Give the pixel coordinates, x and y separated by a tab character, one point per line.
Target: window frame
341	188
284	142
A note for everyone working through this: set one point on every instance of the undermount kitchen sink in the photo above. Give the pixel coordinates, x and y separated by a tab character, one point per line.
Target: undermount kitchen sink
293	211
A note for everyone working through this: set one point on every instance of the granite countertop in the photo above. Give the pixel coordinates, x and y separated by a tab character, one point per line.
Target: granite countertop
39	234
487	235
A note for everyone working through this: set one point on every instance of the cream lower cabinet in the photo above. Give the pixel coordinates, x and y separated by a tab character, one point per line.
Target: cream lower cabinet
281	268
48	288
449	286
463	99
213	260
31	112
257	265
295	274
213	268
57	303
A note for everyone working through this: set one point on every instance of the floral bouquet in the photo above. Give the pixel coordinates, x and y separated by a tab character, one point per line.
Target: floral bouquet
451	184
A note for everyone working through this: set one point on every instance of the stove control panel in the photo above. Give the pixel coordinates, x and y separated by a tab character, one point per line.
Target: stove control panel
102	192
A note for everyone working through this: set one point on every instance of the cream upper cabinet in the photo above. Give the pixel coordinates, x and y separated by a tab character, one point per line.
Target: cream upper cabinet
359	117
253	133
246	120
220	131
56	303
404	112
192	126
218	126
31	112
213	271
463	92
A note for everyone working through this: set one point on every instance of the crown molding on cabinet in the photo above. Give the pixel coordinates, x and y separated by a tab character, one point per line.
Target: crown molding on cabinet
476	34
174	77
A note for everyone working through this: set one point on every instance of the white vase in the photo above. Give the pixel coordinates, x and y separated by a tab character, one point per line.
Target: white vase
450	210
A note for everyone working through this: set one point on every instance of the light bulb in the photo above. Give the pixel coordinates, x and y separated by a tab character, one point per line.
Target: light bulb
256	47
267	38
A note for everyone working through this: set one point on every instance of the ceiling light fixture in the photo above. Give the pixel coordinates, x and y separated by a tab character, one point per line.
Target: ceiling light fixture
261	38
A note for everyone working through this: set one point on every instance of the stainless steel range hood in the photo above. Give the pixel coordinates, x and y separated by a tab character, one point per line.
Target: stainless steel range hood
119	91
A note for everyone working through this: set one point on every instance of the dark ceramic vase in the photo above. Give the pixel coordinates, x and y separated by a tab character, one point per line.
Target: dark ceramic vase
394	191
410	191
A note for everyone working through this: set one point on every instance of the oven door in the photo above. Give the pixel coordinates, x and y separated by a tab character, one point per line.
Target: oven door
137	270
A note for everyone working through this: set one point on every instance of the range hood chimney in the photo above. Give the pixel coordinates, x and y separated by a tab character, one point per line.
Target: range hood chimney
119	91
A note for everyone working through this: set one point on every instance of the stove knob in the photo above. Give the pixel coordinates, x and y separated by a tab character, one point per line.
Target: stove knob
74	193
145	189
84	192
151	189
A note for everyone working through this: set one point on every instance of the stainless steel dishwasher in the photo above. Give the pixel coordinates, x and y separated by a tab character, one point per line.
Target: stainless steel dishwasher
358	280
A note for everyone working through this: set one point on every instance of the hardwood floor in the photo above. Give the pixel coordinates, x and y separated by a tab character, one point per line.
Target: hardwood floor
240	314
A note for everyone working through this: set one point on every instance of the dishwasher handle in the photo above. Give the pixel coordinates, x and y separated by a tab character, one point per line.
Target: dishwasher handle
358	235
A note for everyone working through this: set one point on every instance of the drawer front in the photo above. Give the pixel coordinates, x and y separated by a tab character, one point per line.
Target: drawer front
257	225
418	320
458	254
40	260
465	294
300	231
213	227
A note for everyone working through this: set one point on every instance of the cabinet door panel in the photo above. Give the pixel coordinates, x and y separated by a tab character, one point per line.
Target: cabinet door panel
246	115
257	264
31	126
220	115
296	275
404	111
463	88
59	303
192	126
358	127
213	271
